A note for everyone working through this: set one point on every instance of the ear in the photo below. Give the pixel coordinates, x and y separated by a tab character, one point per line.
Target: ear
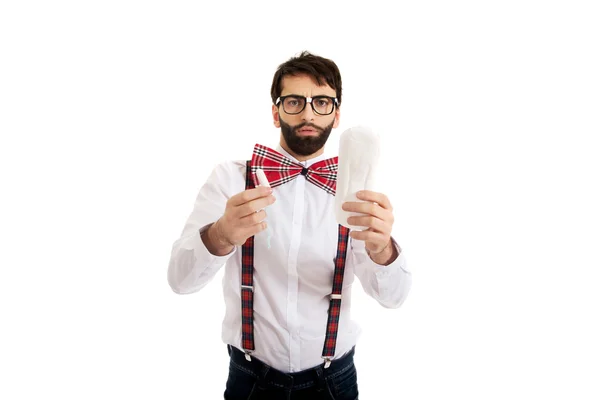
275	112
336	121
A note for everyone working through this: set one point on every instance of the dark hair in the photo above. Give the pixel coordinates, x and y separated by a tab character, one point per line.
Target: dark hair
323	70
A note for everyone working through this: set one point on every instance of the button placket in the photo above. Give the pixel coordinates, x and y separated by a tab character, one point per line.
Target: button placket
292	305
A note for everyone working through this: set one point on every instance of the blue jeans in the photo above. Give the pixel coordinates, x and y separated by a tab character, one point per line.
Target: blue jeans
255	380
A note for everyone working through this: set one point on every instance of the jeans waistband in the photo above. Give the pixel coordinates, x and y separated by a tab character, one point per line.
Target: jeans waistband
292	380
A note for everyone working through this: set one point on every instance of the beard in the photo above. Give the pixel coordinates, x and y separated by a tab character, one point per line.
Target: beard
305	145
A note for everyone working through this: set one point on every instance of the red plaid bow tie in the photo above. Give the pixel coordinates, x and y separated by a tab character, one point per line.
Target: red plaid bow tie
279	169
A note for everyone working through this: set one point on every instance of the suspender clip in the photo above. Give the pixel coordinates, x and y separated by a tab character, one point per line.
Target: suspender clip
247	355
327	362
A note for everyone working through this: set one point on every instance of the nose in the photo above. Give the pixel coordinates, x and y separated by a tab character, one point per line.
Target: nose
308	114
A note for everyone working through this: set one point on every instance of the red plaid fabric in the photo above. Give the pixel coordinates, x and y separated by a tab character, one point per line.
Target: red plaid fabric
277	178
279	169
336	303
247	283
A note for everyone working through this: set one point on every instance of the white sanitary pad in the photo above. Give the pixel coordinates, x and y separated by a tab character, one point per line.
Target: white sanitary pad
357	164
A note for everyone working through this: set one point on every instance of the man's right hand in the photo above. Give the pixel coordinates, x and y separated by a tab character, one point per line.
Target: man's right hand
244	217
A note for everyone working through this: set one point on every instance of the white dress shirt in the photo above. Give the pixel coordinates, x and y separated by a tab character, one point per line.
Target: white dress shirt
292	279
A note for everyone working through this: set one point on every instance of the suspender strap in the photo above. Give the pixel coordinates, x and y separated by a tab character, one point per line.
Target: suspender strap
247	285
335	302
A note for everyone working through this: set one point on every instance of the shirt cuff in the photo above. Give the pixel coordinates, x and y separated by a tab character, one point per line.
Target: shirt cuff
383	272
204	256
192	265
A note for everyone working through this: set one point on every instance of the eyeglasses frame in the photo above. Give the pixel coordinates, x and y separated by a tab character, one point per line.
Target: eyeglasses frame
307	100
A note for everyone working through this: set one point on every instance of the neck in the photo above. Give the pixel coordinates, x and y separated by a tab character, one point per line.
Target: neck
298	156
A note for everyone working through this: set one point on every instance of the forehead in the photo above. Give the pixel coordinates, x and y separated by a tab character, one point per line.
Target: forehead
304	85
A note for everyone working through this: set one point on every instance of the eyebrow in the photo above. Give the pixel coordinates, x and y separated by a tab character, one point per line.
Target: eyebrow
299	95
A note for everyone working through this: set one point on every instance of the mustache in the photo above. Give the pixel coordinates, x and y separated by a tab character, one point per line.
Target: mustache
308	125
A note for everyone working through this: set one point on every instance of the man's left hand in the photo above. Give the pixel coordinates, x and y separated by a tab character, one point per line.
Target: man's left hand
378	219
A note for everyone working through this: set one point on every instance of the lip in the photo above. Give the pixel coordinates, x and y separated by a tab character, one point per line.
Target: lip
307	131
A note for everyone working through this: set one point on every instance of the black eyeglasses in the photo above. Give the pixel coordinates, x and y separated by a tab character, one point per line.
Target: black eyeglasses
293	104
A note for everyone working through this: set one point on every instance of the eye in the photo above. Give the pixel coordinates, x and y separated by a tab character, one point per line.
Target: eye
292	102
322	101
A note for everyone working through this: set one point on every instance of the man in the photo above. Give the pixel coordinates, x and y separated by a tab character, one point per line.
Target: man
288	333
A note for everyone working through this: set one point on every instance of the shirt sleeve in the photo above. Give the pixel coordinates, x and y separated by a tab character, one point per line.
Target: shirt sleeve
389	284
191	265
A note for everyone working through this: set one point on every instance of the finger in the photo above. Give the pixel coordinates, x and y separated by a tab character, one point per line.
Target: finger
369	236
371	222
366	208
249	195
379	198
256	228
250	231
253	219
253	206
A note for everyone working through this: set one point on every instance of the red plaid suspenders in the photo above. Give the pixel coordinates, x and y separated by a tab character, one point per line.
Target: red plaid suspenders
335	301
247	290
247	285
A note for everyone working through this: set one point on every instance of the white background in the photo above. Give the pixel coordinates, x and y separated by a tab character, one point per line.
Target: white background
113	113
